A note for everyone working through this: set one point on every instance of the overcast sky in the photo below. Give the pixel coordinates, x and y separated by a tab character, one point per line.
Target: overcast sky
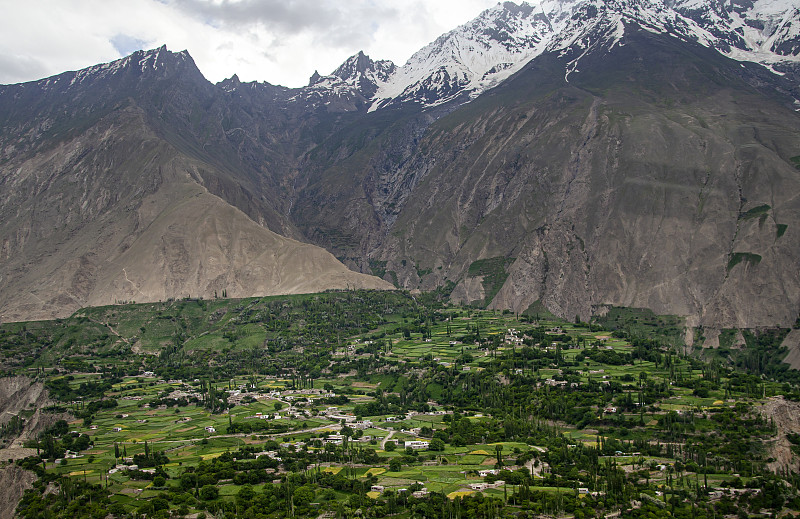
279	41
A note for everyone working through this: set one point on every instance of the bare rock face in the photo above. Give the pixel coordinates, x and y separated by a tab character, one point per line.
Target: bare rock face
792	343
673	214
469	290
19	394
13	483
786	415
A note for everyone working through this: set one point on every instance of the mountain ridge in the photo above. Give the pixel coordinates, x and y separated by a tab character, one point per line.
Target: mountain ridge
535	170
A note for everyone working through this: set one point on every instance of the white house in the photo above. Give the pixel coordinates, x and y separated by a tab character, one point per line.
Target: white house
416	444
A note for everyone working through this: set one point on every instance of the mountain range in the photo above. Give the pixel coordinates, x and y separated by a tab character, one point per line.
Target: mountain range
563	155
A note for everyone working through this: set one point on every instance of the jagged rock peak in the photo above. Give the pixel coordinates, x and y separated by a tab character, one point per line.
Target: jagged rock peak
361	66
230	84
357	77
144	60
157	62
314	79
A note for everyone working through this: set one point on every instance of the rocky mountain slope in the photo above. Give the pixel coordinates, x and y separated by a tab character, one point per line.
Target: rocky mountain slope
629	163
571	154
108	197
21	397
786	416
25	399
13	481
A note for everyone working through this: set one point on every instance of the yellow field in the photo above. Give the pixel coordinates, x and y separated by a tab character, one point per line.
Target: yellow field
211	456
453	495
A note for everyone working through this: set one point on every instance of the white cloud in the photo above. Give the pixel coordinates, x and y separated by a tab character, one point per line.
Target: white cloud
280	41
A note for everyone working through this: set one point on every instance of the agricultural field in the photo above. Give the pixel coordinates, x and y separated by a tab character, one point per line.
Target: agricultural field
377	404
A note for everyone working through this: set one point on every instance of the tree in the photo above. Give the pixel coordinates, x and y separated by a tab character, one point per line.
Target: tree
209	492
159	503
303	495
437	444
246	494
395	465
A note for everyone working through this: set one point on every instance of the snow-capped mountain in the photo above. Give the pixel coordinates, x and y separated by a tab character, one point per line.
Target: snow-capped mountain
476	56
351	85
482	53
362	73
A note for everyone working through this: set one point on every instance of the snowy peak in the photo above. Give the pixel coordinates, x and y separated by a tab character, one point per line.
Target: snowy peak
361	67
755	30
500	41
472	57
349	87
599	24
358	72
479	55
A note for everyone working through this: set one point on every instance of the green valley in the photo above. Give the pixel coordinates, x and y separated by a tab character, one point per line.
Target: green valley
387	404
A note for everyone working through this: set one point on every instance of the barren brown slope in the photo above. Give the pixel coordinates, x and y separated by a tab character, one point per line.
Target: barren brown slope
200	245
116	213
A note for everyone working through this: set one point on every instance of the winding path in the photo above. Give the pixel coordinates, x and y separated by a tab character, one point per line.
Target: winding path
385	439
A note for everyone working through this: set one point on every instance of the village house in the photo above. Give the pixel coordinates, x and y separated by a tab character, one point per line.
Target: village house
416	444
335	439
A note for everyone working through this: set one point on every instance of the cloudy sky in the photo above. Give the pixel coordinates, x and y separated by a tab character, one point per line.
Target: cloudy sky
280	41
